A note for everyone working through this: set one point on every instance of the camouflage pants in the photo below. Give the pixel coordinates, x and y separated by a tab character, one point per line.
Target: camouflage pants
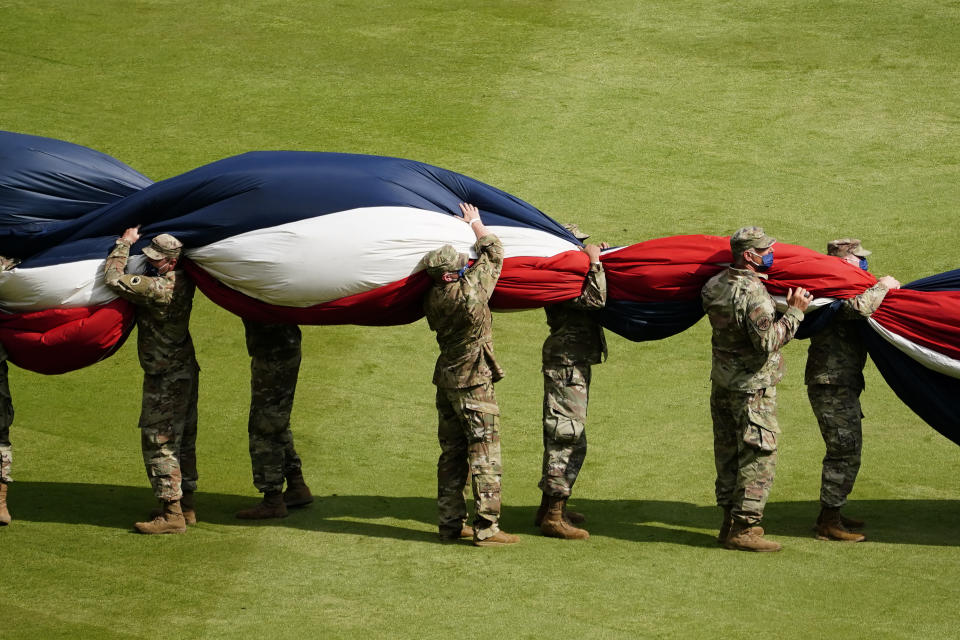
565	393
274	367
837	409
745	449
168	431
469	434
6	419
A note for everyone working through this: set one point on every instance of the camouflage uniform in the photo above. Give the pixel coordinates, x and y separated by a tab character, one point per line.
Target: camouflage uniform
275	363
6	419
575	343
168	416
6	402
834	378
747	365
468	426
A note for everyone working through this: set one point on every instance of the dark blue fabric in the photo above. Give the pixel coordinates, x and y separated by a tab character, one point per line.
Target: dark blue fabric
819	319
642	321
49	215
929	394
949	281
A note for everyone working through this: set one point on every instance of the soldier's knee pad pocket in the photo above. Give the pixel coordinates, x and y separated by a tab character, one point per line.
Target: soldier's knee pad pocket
562	429
760	438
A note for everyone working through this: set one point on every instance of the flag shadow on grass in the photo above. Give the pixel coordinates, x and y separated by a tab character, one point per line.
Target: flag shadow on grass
922	522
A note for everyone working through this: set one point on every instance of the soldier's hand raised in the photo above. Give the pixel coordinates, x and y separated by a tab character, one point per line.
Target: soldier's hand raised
131	235
890	281
799	298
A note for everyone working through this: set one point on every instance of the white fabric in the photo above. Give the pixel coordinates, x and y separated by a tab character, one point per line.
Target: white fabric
320	259
927	357
71	284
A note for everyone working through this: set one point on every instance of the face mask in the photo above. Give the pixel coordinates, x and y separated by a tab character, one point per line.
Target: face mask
766	261
863	263
463	270
151	271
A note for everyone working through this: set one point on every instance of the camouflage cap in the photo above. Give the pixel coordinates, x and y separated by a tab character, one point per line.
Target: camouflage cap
846	246
163	246
749	238
444	260
575	230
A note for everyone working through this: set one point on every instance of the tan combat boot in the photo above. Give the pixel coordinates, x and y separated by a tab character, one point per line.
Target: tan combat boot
541	510
725	526
186	504
189	510
170	520
466	532
499	539
830	527
4	514
744	537
272	506
297	493
554	525
573	517
852	523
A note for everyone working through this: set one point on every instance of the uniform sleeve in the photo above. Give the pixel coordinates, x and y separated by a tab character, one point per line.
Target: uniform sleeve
485	272
863	305
766	333
115	265
594	295
145	290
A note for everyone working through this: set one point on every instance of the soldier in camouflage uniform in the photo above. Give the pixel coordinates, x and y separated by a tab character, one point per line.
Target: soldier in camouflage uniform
834	379
6	419
168	417
274	365
747	365
575	343
469	427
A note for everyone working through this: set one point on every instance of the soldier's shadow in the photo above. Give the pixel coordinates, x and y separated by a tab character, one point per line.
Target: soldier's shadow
923	522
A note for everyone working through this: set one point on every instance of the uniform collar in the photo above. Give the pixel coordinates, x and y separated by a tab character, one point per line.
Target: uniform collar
747	273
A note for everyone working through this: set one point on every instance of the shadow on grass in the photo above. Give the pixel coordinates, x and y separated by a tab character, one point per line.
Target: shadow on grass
923	522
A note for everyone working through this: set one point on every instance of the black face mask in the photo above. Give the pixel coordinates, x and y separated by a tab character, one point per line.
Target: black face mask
151	271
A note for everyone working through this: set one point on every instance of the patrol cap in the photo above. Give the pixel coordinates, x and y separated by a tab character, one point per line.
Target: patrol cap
444	260
575	230
163	246
846	246
749	238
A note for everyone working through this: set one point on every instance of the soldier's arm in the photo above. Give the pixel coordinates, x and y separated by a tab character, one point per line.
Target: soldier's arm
485	271
767	334
138	289
594	293
863	305
115	265
6	264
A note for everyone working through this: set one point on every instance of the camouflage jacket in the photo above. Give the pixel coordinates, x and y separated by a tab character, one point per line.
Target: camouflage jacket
459	313
575	337
837	353
747	337
163	313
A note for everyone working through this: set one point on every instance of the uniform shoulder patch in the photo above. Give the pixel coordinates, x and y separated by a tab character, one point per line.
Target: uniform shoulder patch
764	323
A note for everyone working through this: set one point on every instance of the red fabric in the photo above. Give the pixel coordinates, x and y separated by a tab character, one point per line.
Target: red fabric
677	267
929	318
60	340
663	269
396	303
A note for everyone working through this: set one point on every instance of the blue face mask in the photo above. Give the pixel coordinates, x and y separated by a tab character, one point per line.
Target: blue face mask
766	261
863	263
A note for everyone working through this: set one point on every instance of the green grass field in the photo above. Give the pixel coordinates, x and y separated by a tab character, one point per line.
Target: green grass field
636	119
